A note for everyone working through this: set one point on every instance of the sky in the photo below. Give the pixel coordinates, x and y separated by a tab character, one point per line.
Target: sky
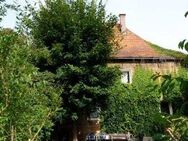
159	21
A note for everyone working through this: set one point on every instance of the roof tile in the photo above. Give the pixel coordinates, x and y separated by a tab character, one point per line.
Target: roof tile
133	46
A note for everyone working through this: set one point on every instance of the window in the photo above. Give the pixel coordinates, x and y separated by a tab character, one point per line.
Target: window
125	77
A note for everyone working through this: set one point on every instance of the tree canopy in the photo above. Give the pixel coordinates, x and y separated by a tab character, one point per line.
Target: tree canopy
78	36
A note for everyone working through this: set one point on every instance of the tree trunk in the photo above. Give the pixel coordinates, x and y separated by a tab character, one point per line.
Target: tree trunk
74	132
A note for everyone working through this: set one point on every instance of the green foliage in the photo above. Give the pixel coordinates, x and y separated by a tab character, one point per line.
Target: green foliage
186	14
179	127
77	35
28	100
132	107
184	44
170	88
175	128
161	137
174	87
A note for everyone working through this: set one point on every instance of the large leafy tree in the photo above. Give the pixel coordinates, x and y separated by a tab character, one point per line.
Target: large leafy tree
78	35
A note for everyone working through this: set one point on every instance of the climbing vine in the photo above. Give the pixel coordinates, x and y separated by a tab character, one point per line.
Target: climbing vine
132	107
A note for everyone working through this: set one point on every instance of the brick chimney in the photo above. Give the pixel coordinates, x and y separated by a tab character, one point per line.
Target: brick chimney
122	22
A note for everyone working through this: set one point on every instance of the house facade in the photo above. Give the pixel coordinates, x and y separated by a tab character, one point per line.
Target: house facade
135	51
132	52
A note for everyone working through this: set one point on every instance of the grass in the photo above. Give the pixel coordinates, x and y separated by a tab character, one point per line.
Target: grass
168	52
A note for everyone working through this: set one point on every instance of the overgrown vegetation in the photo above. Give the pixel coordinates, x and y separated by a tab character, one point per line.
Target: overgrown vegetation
28	100
136	107
66	54
132	107
174	90
168	52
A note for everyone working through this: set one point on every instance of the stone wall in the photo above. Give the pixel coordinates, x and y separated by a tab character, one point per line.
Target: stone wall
157	67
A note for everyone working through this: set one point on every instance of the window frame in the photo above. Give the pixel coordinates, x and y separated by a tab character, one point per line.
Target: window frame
129	76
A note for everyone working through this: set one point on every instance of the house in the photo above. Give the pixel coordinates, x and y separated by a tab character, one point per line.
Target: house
133	51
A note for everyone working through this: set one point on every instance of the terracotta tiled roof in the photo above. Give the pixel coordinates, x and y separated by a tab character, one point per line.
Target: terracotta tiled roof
133	46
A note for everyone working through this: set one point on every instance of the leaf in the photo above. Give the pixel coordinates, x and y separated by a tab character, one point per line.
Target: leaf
186	46
167	77
186	14
181	44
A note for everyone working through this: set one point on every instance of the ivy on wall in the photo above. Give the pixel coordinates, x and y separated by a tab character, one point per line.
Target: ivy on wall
132	107
136	107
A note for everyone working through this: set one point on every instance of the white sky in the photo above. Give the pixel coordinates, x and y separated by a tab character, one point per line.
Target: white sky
159	21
